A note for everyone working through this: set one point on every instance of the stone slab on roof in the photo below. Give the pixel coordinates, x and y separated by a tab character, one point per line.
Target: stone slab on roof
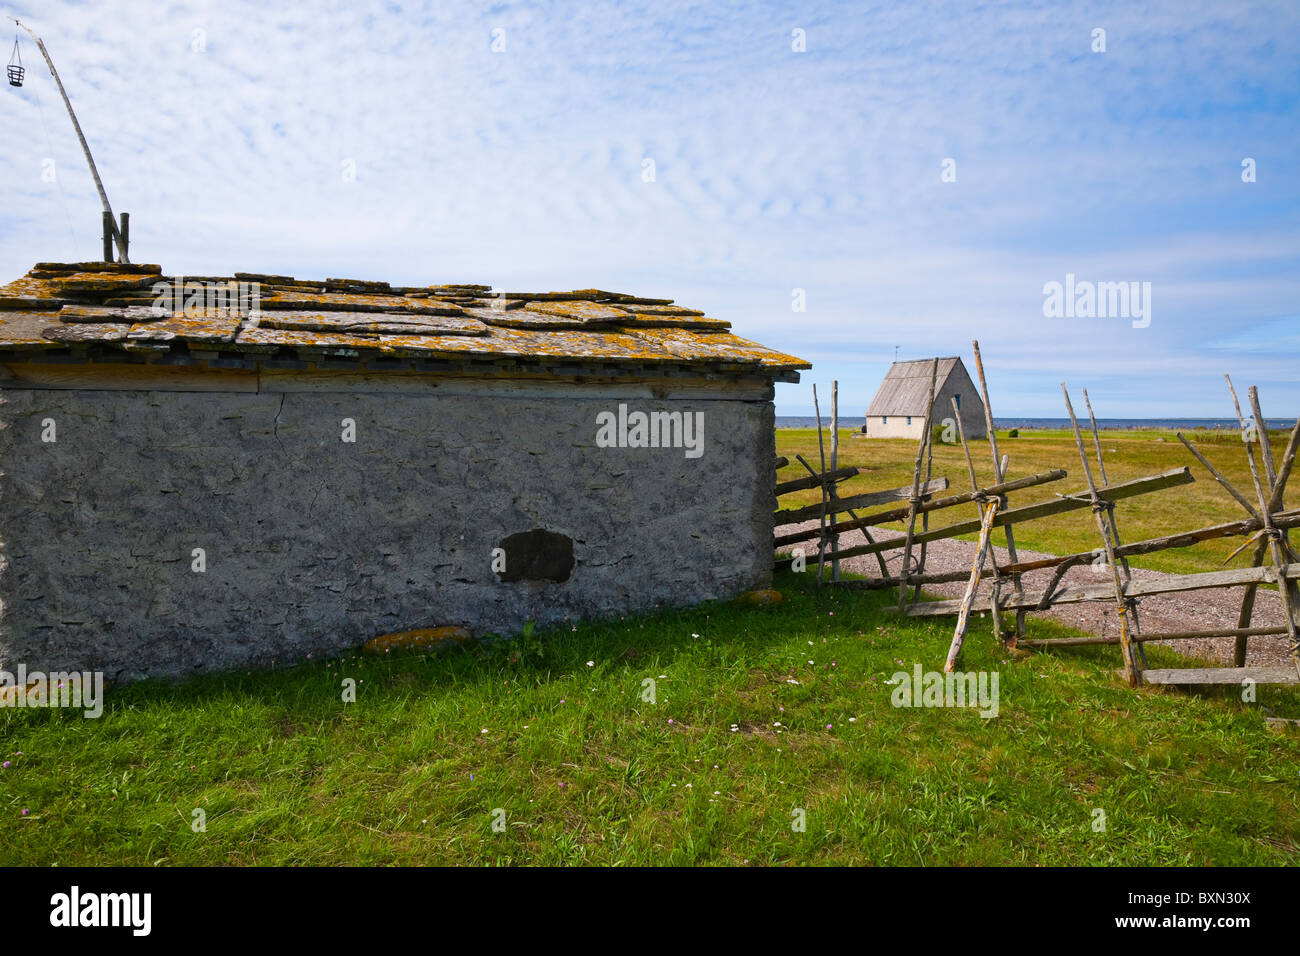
83	305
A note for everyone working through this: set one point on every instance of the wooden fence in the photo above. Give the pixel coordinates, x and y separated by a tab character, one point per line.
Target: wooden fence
1266	525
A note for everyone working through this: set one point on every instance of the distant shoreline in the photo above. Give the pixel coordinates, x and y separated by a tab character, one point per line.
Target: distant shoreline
1049	424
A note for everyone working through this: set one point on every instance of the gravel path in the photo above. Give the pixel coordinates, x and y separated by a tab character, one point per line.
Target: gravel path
1208	609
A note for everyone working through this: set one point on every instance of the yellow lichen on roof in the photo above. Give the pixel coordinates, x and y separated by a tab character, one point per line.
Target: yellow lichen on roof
104	282
359	302
373	322
577	309
112	305
23	331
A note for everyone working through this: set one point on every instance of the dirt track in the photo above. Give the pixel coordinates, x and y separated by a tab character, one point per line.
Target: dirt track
1185	611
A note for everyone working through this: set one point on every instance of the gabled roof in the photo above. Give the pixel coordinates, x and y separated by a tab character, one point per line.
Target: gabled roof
110	307
906	386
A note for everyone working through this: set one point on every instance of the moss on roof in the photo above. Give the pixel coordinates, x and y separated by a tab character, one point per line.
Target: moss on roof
113	306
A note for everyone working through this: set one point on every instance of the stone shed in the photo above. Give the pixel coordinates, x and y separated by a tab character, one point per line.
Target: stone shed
201	473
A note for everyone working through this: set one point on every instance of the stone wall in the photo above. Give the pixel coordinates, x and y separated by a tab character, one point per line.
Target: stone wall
315	545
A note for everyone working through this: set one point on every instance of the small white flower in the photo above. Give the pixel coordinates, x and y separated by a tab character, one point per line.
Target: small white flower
591	663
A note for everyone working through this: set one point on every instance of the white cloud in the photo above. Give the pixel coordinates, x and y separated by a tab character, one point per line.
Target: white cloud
774	169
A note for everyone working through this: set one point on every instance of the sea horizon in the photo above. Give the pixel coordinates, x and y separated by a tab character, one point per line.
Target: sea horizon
1103	424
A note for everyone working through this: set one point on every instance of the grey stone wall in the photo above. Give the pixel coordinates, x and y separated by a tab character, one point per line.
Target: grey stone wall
314	545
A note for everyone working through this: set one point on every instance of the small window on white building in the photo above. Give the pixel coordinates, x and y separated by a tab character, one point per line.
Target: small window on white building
909	419
884	420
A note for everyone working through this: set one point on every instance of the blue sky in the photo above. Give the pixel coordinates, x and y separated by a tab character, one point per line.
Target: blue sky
226	129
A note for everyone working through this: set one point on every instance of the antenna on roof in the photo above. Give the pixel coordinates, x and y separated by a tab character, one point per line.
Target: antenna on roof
113	233
896	348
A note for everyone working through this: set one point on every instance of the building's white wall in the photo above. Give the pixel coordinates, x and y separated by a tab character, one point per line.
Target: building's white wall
894	426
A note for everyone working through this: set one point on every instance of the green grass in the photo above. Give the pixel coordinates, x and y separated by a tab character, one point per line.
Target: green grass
887	463
588	772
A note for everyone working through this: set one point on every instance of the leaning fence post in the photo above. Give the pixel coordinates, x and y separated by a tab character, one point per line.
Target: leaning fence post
1275	503
835	463
1114	530
1286	588
994	610
998	475
821	447
915	499
977	569
1121	601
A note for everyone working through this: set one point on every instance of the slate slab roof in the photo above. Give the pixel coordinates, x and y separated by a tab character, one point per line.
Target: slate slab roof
113	306
906	387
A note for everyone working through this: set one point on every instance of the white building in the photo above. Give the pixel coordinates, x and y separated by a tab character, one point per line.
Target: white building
898	410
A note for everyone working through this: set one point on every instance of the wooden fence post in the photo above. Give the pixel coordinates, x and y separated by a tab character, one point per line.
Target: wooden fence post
1121	601
835	463
997	479
915	499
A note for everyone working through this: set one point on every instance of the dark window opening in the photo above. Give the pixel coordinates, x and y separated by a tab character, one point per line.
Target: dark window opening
537	555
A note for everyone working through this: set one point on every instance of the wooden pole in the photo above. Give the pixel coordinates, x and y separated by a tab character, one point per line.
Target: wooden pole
997	477
1096	440
1275	502
857	522
107	222
959	633
900	514
1214	473
866	499
929	470
835	463
814	480
1082	594
821	447
1148	638
975	491
1114	528
85	147
1285	519
1121	602
1043	509
1286	589
915	499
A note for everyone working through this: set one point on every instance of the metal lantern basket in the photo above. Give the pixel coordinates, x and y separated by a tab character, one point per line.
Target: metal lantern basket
15	69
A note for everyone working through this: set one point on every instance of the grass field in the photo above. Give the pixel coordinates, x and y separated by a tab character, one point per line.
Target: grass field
758	713
887	463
